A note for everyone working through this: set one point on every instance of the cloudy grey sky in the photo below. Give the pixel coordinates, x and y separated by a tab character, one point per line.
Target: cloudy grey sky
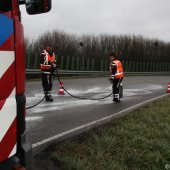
149	18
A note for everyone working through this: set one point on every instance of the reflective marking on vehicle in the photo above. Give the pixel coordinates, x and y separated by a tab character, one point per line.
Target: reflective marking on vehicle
6	28
8	58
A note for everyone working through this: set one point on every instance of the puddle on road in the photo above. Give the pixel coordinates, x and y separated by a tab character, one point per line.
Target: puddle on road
65	101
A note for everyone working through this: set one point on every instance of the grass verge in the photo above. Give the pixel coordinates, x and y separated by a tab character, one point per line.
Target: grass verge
137	141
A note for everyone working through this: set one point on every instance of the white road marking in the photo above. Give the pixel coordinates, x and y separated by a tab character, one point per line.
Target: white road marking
87	125
32	118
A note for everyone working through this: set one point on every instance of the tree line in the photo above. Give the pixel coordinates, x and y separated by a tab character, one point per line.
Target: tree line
86	48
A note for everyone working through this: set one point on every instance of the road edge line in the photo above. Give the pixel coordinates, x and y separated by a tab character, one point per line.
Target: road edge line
88	126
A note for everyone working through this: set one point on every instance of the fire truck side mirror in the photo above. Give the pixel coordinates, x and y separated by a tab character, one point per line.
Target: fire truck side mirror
37	6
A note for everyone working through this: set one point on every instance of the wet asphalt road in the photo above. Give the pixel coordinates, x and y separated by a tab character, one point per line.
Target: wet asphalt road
49	119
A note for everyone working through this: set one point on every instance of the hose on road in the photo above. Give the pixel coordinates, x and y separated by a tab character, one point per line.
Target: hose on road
35	104
78	97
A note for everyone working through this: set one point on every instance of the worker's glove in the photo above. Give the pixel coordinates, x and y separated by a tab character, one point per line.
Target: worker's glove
54	65
112	77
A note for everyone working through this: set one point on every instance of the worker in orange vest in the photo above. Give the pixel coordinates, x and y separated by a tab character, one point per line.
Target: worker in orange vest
48	66
116	75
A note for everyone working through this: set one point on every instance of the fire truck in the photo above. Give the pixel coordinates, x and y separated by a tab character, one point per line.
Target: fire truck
15	152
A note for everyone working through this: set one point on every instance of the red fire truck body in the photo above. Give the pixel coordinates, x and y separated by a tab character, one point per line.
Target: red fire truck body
14	151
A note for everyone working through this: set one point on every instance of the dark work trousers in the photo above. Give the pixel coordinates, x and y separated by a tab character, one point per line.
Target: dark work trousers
47	82
115	87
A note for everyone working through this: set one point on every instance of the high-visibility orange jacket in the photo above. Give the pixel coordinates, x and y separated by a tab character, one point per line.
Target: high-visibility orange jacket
116	69
47	62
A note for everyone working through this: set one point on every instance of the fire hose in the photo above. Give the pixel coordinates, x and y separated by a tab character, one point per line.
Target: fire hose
78	97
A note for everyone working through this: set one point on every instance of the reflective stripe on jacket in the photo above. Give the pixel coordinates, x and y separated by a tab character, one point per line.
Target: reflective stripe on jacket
119	71
46	66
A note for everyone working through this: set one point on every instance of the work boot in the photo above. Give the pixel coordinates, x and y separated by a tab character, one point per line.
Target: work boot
48	97
116	98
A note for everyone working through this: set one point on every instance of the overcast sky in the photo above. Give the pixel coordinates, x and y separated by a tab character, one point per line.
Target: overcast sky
149	18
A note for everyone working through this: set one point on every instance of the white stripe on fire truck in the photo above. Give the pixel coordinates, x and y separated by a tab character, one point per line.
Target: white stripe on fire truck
8	58
13	151
7	114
